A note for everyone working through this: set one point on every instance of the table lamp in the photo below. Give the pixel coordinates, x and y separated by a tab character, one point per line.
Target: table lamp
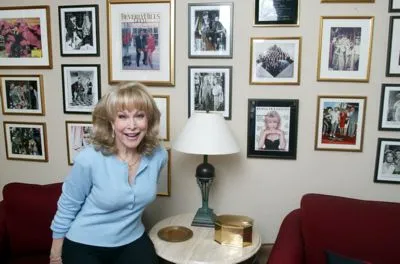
205	134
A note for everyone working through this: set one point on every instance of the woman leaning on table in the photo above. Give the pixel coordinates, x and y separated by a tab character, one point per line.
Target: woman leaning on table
98	219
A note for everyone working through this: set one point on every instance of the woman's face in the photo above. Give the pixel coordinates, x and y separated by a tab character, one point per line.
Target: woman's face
272	122
130	128
389	158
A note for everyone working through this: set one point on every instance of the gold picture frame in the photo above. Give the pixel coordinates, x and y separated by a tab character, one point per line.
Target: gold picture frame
141	41
162	102
164	181
77	136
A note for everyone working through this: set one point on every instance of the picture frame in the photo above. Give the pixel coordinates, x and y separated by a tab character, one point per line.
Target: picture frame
272	128
162	102
78	135
276	13
79	30
141	41
22	94
339	35
266	67
164	181
81	87
389	111
210	89
210	30
394	6
347	1
387	162
393	55
340	123
26	141
33	50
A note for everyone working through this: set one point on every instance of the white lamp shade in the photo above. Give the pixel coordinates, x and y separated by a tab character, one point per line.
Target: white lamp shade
206	134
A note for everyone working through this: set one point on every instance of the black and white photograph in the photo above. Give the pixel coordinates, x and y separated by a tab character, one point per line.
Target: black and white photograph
276	13
275	60
389	114
210	31
78	137
79	30
164	181
22	94
81	88
387	164
393	51
162	102
25	141
210	90
394	6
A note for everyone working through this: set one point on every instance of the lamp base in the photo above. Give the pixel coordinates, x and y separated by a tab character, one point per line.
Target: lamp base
204	217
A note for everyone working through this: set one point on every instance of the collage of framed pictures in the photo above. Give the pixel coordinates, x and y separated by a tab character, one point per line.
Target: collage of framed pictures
387	169
276	13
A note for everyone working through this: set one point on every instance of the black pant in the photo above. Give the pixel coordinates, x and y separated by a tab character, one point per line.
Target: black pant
140	251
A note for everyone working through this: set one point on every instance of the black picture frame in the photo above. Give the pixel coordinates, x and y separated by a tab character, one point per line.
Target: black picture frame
389	110
393	58
282	111
276	13
387	171
392	4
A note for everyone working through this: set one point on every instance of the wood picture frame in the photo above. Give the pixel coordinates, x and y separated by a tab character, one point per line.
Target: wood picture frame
78	135
163	105
164	181
387	162
389	111
276	13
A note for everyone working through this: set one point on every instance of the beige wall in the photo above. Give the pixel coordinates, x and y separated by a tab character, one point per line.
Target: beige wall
263	189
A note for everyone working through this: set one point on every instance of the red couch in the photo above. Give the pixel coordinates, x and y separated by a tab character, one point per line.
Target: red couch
26	213
368	231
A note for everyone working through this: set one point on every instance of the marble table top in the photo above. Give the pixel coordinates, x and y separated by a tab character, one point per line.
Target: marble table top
201	248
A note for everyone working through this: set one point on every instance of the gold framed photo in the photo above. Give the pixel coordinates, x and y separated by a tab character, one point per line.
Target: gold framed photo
162	102
141	41
345	49
78	137
164	181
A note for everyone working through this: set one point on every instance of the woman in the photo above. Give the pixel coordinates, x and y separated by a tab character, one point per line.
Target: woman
272	137
99	212
151	46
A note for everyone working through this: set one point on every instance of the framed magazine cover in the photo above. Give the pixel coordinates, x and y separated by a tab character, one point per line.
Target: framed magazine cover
276	13
389	112
387	162
78	137
164	181
162	102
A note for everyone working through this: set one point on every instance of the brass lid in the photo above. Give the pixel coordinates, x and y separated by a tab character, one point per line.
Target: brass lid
234	220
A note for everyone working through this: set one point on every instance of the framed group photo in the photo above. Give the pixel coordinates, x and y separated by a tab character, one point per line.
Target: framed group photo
26	141
210	89
22	94
345	49
340	123
210	30
272	128
25	37
141	41
389	112
275	60
81	87
164	181
276	12
387	163
393	51
79	30
394	6
78	137
162	102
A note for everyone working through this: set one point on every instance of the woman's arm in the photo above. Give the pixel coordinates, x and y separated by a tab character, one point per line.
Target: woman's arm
282	140
261	141
56	250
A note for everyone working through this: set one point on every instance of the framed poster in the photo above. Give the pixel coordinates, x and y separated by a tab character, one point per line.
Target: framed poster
394	6
345	49
393	51
22	94
25	141
210	89
162	102
25	40
210	30
276	13
340	123
141	37
272	128
387	163
79	30
78	137
389	112
275	60
81	87
164	181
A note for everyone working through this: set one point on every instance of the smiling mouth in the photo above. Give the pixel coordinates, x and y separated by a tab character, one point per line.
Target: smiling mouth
132	135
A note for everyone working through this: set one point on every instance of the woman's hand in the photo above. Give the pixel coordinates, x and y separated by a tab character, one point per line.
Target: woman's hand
55	260
55	252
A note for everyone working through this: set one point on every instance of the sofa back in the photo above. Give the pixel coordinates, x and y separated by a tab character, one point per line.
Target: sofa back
364	230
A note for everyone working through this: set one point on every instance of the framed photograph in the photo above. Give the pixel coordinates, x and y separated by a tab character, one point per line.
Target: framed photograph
387	164
25	141
340	123
141	36
210	89
272	128
276	13
164	181
22	94
347	1
25	40
79	30
210	30
394	6
78	137
345	49
81	87
389	113
162	102
275	60
393	51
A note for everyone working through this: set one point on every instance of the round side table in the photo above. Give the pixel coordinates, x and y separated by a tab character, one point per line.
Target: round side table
201	248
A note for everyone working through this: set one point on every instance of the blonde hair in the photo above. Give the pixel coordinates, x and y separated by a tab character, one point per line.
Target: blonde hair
273	115
127	96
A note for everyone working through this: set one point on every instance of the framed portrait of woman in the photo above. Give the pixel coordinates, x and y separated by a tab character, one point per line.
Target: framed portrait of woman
389	112
387	163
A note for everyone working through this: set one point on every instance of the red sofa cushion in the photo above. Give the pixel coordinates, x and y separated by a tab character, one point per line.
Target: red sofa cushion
359	229
30	209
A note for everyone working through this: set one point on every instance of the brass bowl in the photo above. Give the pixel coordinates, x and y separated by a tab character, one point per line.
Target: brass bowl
175	233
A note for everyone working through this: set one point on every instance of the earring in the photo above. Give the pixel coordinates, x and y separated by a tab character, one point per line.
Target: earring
113	133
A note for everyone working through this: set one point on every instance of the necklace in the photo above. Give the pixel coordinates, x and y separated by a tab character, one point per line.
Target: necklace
133	163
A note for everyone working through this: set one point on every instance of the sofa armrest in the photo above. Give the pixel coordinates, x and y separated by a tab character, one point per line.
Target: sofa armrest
3	234
288	247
